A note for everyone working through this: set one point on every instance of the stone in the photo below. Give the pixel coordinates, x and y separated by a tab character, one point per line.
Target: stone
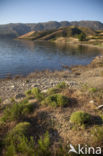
19	96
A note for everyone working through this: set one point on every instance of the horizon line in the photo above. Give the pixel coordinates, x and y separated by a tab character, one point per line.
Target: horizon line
50	21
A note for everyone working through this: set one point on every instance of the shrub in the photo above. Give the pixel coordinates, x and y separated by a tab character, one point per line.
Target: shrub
17	142
20	128
37	93
28	93
43	148
92	90
58	88
61	85
80	118
97	133
56	100
20	144
82	37
17	111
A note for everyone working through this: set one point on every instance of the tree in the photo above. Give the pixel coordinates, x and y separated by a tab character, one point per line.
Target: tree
82	37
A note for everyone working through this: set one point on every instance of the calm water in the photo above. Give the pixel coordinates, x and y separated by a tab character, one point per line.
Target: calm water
23	57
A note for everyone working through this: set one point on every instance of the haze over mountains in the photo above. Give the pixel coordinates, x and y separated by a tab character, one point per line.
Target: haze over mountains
14	30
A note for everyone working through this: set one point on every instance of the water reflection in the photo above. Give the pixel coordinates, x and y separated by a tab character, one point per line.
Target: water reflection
23	57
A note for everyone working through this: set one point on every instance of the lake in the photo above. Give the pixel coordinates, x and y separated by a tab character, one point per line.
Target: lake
23	57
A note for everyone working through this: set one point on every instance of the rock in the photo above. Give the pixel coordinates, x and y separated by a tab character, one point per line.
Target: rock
12	86
100	107
19	96
44	91
7	101
91	101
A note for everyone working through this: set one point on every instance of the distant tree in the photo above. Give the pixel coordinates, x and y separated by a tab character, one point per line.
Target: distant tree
82	37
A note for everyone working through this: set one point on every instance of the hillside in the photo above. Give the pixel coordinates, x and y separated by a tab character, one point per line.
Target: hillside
70	34
65	32
17	29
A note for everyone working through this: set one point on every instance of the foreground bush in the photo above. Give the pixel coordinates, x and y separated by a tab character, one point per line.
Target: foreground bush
97	134
16	140
17	111
37	93
56	100
20	129
18	144
80	118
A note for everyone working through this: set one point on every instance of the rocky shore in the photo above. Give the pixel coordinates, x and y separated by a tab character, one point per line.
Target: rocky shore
75	77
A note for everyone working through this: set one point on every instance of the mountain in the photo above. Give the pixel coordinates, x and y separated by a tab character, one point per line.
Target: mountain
63	32
17	29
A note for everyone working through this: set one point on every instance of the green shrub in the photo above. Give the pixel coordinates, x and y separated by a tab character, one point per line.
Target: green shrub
19	129
37	93
61	85
58	88
43	148
92	90
80	118
17	111
28	93
18	143
82	37
24	146
10	150
97	133
56	100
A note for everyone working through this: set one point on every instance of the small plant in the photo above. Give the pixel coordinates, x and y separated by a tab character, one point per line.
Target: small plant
17	111
17	142
80	118
61	85
19	130
97	133
28	93
37	93
92	90
56	100
58	88
82	37
44	143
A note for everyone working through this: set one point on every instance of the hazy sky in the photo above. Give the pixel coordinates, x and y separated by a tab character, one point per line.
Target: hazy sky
33	11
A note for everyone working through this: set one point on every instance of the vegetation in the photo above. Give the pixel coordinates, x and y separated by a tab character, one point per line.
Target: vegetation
37	93
16	142
17	111
80	118
56	100
82	37
40	132
97	134
58	88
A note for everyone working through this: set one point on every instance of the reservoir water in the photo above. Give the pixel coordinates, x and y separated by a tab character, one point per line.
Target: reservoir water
24	57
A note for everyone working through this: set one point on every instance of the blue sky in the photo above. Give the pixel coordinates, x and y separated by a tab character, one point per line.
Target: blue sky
33	11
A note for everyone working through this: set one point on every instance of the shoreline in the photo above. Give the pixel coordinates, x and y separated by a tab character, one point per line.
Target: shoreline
78	43
90	74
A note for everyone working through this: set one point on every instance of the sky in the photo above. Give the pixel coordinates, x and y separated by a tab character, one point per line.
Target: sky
34	11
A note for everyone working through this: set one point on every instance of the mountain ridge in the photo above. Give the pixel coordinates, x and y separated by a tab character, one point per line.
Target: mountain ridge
14	30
